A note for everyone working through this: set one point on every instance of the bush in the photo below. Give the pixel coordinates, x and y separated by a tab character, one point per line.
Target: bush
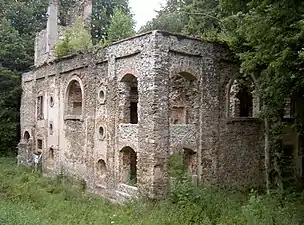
76	39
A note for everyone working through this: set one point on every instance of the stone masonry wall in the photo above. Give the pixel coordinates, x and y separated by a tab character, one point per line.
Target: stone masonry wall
89	145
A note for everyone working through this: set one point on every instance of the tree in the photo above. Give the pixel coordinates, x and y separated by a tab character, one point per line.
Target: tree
121	26
9	114
172	17
20	20
102	13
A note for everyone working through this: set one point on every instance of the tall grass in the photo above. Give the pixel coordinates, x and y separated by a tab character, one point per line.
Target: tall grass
29	198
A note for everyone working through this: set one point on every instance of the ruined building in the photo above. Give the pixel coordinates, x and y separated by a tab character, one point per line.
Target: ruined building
114	117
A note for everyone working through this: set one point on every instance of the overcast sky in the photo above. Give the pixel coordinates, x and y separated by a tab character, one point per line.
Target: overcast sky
144	10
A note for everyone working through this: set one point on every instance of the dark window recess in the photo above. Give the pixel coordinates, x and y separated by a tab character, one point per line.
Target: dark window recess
51	101
133	113
130	100
245	103
303	166
51	153
40	108
39	144
51	129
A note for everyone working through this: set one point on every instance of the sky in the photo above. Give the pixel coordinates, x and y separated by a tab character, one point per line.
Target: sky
144	10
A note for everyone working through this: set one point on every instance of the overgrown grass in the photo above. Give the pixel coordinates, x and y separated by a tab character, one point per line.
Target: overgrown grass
27	198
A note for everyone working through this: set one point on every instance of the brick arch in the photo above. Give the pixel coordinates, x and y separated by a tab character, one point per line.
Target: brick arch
186	71
129	71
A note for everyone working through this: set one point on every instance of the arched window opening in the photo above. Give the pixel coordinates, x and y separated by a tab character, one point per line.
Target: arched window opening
101	169
51	154
129	98
182	95
128	161
102	96
243	100
101	133
51	101
190	161
26	136
40	103
51	128
74	101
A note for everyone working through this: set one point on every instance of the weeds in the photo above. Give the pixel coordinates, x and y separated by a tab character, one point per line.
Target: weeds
28	198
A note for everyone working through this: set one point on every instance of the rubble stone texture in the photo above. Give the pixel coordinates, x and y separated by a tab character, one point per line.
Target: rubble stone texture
114	117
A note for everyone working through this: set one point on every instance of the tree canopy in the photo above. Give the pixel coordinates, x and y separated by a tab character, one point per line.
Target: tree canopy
121	26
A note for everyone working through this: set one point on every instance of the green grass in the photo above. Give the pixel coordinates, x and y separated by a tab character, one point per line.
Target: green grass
27	198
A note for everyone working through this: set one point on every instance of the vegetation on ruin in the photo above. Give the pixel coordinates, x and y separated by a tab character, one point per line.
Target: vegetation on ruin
76	39
29	198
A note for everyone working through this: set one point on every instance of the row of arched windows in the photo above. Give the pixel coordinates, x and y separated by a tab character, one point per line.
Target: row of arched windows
128	165
242	99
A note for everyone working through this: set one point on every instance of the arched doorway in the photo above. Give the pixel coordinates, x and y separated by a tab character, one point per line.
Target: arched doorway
128	162
190	161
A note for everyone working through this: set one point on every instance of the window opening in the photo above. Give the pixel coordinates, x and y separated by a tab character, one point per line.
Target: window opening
26	136
190	161
182	97
129	99
101	131
51	153
129	166
51	128
245	103
51	101
74	105
39	144
40	108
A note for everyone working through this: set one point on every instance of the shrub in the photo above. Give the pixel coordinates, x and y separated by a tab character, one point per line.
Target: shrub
76	39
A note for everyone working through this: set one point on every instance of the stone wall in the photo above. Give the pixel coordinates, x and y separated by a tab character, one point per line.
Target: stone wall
183	136
90	144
